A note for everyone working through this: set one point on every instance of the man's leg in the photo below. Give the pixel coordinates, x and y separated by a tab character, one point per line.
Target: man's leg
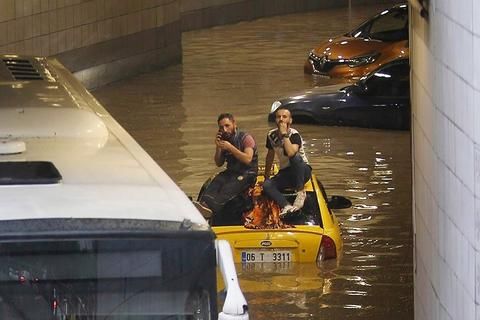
206	201
302	172
272	187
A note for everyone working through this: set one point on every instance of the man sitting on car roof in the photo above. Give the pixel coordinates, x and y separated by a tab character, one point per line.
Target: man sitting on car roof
238	149
286	142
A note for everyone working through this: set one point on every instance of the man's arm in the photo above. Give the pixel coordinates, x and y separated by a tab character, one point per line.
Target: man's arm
245	157
290	148
219	157
269	162
219	154
248	146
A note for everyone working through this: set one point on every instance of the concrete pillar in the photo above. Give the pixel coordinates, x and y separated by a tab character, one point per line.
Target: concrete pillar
446	157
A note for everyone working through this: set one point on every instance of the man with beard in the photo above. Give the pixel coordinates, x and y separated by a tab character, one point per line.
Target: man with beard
287	144
239	151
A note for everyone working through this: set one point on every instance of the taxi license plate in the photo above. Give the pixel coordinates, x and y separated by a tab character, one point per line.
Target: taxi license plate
266	256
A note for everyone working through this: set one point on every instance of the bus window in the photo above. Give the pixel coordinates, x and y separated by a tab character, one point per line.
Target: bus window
115	278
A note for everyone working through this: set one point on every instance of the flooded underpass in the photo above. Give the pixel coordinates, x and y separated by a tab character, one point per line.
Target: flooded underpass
243	68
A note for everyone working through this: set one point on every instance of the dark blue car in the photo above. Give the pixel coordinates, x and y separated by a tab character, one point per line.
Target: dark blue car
379	100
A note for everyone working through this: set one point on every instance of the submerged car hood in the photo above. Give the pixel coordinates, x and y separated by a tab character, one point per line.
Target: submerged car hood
348	47
315	92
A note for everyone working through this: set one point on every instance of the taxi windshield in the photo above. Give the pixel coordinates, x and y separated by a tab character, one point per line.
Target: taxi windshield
234	212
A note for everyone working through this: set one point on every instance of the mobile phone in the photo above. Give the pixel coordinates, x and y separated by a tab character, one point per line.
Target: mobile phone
225	136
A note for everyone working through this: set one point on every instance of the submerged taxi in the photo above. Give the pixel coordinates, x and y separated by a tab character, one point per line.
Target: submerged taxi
311	234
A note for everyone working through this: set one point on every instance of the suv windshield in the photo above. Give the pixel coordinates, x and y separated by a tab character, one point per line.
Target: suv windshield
390	25
108	278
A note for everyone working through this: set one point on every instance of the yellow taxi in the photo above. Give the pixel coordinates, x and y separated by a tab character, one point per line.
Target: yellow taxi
311	234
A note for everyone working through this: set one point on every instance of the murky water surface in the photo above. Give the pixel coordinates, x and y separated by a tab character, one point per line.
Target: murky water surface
242	69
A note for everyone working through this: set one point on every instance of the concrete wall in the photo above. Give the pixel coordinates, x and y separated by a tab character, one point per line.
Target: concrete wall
201	14
198	14
445	51
99	40
105	40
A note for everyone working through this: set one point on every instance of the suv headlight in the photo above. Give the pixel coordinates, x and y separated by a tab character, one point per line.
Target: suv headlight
363	60
312	55
275	106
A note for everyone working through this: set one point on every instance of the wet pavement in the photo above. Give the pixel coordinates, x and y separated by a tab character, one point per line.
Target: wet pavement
242	69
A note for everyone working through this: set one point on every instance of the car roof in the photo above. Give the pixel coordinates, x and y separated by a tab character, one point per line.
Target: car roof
104	172
400	6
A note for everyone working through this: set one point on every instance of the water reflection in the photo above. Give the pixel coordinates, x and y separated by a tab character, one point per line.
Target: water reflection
242	69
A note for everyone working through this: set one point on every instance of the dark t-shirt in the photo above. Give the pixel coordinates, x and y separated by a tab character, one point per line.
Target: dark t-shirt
274	142
294	139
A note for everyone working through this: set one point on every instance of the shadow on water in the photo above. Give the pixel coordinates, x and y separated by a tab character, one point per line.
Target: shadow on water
242	69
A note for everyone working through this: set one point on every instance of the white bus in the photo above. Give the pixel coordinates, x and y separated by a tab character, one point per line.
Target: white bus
90	226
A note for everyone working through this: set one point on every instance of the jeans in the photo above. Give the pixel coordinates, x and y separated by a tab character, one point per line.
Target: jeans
294	176
226	186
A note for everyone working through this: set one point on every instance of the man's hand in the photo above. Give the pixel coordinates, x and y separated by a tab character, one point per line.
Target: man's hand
218	137
224	145
282	128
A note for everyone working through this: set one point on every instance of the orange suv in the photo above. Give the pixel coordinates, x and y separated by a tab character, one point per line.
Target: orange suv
375	42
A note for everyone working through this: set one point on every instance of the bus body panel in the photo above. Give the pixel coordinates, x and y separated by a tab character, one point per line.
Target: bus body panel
105	173
90	225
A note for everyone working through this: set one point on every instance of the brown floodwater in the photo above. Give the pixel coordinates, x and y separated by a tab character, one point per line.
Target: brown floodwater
243	68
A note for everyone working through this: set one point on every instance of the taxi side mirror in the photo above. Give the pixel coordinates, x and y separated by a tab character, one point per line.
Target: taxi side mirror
339	202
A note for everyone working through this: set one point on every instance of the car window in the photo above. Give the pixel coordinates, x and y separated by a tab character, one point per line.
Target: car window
392	26
322	190
324	194
361	32
390	81
308	215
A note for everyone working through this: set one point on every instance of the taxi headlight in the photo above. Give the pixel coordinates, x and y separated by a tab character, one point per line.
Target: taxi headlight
275	106
363	60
